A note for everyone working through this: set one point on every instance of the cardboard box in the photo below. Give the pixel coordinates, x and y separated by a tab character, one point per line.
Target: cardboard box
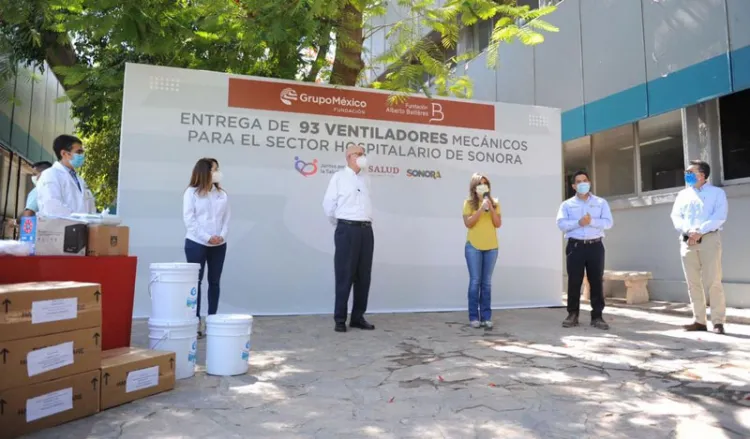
129	374
34	360
28	409
108	240
54	236
41	308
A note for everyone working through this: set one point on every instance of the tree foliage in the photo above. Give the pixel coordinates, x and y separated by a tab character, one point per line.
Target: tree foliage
88	42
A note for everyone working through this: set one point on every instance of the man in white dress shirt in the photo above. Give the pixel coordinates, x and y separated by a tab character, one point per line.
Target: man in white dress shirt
347	204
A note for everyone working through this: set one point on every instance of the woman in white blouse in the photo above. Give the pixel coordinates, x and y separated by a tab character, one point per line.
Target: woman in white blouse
205	210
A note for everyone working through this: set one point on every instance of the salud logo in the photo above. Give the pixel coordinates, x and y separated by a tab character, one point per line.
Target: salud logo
383	170
419	173
288	95
305	168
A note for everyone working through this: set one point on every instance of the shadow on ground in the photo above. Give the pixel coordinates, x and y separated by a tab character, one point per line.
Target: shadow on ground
431	376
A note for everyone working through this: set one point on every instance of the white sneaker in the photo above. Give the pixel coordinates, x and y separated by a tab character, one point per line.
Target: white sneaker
487	324
474	324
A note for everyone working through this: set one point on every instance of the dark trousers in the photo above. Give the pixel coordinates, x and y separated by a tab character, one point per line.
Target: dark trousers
585	259
213	257
352	264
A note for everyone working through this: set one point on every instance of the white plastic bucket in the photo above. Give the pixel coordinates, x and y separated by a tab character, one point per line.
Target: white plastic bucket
180	337
173	288
228	344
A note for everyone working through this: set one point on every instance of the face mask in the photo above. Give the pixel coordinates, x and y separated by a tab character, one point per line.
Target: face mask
482	189
362	162
77	160
583	188
216	176
691	179
34	179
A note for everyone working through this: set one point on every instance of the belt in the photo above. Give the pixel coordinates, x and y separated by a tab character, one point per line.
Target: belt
355	223
585	241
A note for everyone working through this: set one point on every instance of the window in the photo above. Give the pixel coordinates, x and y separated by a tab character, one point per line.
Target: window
661	151
735	135
577	157
533	4
476	38
614	161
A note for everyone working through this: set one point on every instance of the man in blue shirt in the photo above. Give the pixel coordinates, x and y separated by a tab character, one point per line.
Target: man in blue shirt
32	207
583	219
699	212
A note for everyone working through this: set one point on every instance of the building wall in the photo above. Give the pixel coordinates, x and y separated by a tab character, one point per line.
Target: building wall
618	61
29	122
638	82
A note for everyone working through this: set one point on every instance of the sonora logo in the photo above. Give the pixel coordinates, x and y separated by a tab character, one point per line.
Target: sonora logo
423	173
288	95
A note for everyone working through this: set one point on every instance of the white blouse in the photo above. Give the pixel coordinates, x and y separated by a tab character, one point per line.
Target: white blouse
205	215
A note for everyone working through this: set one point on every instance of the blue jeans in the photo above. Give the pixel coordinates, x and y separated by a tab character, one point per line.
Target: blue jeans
481	264
213	257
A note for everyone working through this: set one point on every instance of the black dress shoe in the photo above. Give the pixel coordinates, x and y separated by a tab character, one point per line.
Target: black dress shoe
570	321
340	327
362	324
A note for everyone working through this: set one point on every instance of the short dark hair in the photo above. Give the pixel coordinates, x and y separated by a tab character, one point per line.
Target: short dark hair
581	172
64	142
703	167
41	166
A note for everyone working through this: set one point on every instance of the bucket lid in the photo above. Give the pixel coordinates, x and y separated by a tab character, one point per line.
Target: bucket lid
173	323
175	266
229	319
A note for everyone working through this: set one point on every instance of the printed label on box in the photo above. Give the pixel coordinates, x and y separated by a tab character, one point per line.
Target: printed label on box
45	311
49	404
142	379
51	358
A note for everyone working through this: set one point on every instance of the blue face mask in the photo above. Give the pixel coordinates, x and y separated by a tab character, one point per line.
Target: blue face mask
691	179
583	188
77	160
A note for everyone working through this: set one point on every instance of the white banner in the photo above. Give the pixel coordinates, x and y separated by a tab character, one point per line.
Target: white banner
278	143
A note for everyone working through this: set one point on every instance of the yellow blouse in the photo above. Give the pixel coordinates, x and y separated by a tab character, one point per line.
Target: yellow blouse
483	236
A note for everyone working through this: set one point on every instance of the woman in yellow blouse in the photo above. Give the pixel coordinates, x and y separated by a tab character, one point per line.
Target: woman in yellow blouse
482	218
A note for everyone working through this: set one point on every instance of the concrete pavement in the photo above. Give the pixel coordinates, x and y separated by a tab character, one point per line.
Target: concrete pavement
431	376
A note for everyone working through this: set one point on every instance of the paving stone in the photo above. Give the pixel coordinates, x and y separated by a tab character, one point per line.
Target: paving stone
432	376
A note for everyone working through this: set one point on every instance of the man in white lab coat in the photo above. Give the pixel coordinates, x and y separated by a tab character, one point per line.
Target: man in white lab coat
60	190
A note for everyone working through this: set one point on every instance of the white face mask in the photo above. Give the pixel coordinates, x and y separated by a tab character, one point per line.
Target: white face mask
362	162
482	189
216	177
34	179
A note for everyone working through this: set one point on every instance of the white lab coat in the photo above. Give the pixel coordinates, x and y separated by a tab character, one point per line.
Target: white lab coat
58	195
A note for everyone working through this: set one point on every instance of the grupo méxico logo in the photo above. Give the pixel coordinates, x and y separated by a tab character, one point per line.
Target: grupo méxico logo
423	173
306	168
288	95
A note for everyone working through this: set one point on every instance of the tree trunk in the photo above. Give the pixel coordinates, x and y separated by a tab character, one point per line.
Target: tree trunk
348	63
320	59
58	52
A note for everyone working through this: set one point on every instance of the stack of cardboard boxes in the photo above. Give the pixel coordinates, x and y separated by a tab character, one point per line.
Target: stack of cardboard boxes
52	368
68	237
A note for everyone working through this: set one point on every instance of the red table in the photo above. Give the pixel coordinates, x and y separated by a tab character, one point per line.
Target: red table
116	274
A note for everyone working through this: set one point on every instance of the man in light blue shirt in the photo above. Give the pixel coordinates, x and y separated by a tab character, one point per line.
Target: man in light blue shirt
32	207
699	212
583	219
